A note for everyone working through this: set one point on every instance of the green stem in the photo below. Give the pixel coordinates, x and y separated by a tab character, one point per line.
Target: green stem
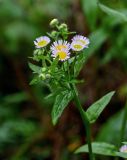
123	127
68	70
85	121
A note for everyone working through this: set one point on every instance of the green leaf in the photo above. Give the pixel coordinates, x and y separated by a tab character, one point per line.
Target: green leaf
124	143
114	13
112	126
34	68
96	109
97	38
80	60
90	9
99	148
61	102
102	148
54	63
121	154
35	80
16	97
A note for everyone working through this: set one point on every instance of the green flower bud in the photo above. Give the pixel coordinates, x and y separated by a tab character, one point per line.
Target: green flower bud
63	26
53	33
54	22
49	71
43	69
48	76
42	76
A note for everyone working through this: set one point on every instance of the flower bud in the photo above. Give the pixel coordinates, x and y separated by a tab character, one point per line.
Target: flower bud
63	26
54	22
48	76
43	69
49	71
53	33
42	76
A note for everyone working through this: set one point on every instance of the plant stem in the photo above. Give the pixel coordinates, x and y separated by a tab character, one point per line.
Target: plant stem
85	121
123	127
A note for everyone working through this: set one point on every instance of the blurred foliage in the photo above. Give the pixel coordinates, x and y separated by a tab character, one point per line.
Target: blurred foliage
25	125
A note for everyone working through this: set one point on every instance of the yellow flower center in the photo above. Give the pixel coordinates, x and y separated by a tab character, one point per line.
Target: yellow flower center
77	46
62	55
42	43
60	47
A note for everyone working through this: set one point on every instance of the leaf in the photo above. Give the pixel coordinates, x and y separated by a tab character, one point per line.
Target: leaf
95	109
112	126
54	63
34	68
79	63
16	97
61	102
97	38
124	143
99	148
102	148
114	13
121	154
35	80
90	9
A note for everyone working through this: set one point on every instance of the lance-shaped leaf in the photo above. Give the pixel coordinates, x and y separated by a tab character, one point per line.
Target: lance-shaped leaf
61	101
79	63
124	143
96	109
34	68
90	9
114	13
99	148
102	148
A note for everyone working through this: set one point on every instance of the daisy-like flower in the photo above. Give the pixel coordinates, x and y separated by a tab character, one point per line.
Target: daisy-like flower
60	45
63	54
77	46
123	148
79	43
42	42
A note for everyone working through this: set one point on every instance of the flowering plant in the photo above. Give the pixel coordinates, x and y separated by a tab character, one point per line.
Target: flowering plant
61	62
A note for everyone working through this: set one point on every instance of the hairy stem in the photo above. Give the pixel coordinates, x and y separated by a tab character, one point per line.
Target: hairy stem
85	121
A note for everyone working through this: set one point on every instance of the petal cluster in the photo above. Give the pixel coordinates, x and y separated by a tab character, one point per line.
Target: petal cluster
60	48
42	42
79	43
60	45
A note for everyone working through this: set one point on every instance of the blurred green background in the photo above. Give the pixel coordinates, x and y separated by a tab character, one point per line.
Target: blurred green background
26	131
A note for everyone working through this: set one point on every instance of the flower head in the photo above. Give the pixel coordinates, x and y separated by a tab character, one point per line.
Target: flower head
63	54
123	148
42	42
60	45
79	43
77	46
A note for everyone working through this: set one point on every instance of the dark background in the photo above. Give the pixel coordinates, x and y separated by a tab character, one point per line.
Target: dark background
26	131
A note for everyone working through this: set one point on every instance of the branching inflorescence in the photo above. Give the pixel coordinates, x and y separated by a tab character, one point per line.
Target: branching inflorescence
58	63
